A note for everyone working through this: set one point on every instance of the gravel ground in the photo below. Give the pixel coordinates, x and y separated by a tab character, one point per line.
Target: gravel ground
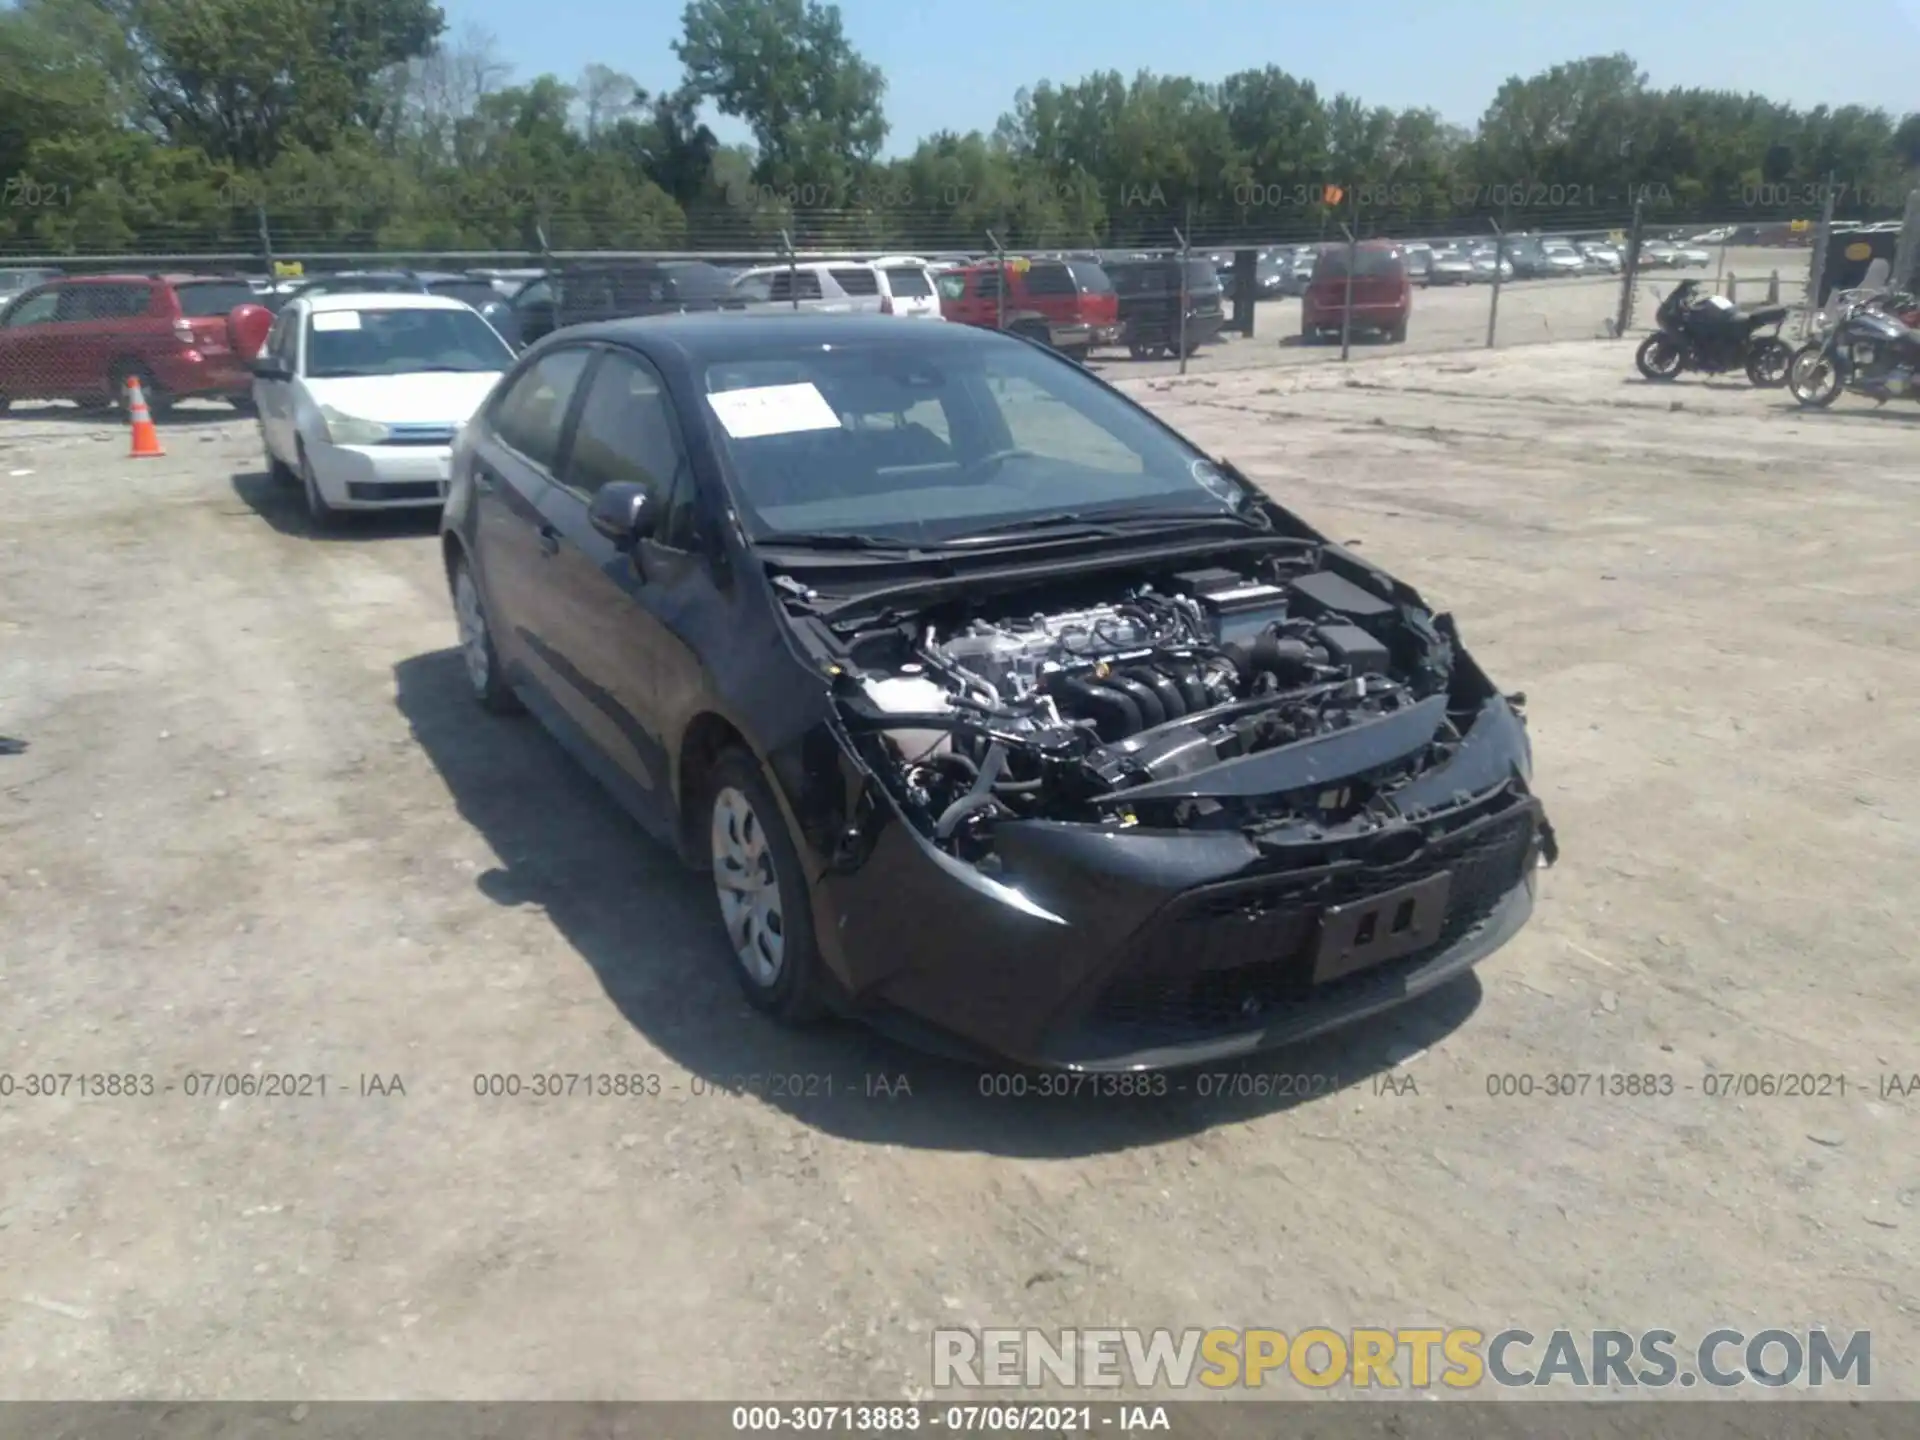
251	825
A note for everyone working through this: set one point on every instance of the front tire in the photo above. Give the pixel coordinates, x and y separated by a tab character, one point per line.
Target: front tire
1816	380
1658	358
1768	364
762	893
320	515
485	676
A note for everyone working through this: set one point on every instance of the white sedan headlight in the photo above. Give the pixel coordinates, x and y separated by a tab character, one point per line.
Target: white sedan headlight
351	429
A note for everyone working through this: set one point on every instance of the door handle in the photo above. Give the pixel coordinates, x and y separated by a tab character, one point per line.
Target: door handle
549	540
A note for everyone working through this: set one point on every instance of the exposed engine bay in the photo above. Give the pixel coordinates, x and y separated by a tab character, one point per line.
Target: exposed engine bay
1157	698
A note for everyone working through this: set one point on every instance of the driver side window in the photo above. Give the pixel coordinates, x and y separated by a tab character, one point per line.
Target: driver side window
34	309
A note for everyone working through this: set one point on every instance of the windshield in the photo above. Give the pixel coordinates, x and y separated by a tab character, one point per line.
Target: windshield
902	443
1375	262
401	342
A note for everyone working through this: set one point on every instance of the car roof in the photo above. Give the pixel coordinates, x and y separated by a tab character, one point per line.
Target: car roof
715	335
381	300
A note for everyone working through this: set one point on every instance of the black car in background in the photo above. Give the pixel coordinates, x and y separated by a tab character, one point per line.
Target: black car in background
579	294
1149	293
994	709
481	295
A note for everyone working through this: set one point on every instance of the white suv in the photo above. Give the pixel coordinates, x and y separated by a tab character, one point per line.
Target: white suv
818	286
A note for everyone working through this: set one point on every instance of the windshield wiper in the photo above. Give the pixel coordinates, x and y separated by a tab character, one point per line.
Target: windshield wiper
1127	522
837	540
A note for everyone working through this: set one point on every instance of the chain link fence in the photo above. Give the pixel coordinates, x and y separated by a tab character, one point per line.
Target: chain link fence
1560	276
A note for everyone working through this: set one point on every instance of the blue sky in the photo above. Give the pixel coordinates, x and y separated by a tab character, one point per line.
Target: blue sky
957	67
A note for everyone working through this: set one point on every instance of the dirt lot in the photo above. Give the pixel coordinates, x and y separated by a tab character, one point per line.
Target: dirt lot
1454	317
257	828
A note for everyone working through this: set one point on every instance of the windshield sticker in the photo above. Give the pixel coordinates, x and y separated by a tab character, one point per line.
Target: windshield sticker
773	410
337	320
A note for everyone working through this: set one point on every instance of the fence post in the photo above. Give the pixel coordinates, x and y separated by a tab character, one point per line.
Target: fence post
793	269
1181	236
999	281
266	239
1346	305
1773	288
1499	259
1630	272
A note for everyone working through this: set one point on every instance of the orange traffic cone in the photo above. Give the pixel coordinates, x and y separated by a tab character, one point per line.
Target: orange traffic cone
146	439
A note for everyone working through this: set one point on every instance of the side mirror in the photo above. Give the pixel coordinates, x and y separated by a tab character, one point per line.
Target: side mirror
266	369
623	512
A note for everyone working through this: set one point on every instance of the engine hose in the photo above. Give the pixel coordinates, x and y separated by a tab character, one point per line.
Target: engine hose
1113	714
951	760
1152	712
1164	690
1019	787
978	798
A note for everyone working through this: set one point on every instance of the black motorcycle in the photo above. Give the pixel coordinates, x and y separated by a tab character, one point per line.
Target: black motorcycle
1712	335
1868	349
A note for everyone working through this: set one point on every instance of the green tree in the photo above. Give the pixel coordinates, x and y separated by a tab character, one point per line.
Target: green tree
787	68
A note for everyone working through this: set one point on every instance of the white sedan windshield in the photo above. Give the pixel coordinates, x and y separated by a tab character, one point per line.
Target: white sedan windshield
401	341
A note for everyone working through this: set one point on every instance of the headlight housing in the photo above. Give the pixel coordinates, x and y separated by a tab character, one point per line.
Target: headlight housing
345	429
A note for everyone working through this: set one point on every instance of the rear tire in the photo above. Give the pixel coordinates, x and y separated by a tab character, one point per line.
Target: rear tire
159	403
1398	334
485	676
762	892
1658	358
1768	365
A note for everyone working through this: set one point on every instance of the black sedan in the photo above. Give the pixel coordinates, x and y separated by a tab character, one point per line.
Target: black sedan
995	709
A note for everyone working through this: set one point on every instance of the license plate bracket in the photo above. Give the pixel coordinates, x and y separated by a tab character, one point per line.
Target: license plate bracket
1377	928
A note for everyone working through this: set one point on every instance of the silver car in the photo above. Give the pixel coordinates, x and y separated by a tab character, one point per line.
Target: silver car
1451	267
1563	259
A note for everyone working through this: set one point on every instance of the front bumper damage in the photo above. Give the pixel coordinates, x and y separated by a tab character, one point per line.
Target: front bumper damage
1101	949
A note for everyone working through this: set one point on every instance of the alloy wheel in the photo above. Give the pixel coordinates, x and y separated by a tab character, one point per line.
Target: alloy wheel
748	886
473	631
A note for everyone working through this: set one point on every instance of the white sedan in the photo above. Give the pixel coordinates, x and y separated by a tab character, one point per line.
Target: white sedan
360	396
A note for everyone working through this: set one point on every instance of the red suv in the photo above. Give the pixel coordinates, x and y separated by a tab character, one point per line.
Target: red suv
1382	293
1068	304
83	337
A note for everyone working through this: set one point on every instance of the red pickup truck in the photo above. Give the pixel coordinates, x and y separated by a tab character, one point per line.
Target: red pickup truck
1068	304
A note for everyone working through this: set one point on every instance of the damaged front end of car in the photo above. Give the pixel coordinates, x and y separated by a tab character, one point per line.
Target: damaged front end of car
1171	811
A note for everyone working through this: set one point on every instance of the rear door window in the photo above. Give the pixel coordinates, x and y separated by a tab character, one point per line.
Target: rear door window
857	280
795	285
216	298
